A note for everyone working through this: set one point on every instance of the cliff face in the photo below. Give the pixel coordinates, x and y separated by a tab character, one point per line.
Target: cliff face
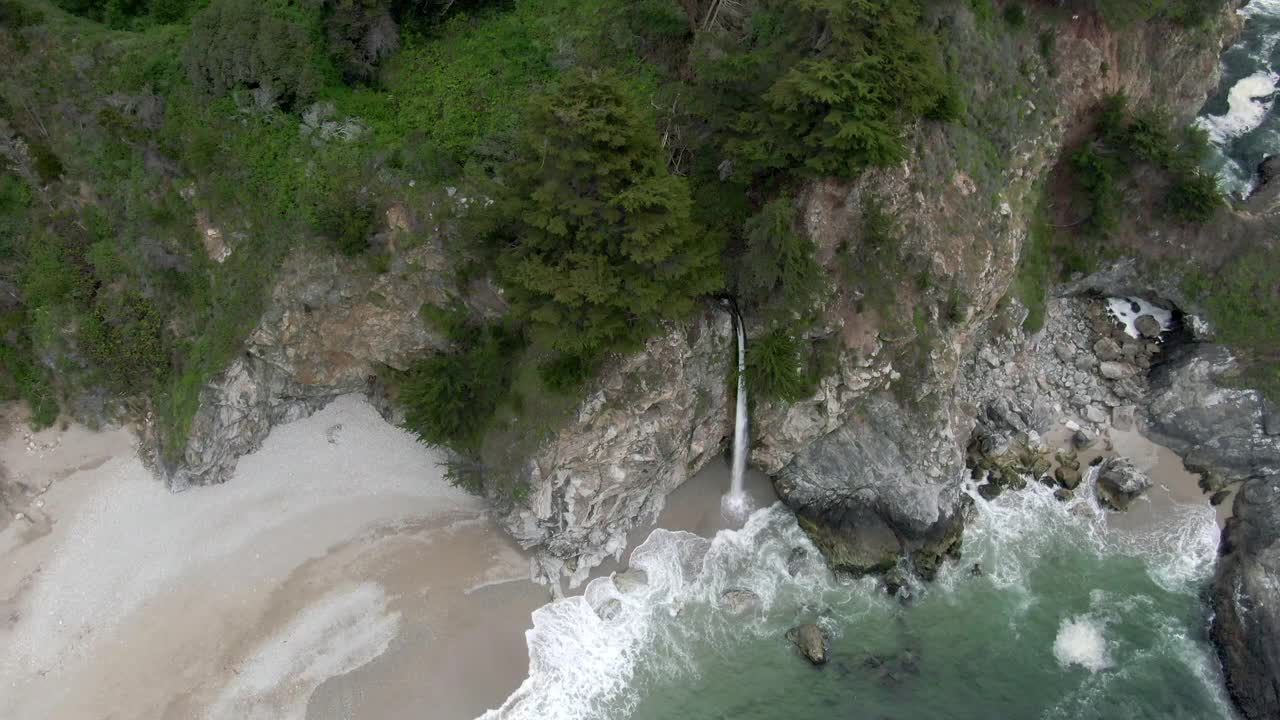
880	443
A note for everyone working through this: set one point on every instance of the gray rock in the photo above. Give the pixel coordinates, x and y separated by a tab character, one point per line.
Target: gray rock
1083	439
739	601
1122	417
1147	326
1095	414
883	487
1246	600
811	641
1068	478
1214	427
1107	349
796	561
1112	370
1271	419
1063	494
631	580
1219	497
1120	483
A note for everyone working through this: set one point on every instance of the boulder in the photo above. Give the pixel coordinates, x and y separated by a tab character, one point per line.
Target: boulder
796	561
1123	417
1113	370
1063	494
1219	497
1148	327
1083	439
1119	483
811	641
1068	478
1107	349
631	580
1246	599
739	601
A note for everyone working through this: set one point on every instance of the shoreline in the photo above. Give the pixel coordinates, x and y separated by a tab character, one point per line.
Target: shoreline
355	582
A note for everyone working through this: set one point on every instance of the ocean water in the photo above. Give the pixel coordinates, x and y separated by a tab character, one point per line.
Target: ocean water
1241	116
1069	617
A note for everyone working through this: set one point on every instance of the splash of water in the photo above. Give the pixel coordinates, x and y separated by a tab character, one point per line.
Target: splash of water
736	504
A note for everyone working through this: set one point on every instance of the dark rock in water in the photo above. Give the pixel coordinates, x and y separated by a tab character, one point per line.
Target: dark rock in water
1068	478
609	609
739	601
879	489
811	641
1148	326
1063	494
976	570
796	560
1119	483
1214	427
1246	599
894	581
630	580
1219	497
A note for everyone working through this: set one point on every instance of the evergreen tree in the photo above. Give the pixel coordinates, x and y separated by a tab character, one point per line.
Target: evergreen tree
778	271
597	240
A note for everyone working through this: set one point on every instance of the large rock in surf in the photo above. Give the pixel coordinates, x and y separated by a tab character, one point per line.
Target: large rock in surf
1246	600
1120	483
1212	425
811	641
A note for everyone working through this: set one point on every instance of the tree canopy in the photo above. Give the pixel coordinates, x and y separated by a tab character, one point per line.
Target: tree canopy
596	240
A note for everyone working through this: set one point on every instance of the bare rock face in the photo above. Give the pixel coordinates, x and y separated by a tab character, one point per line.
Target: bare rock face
328	327
653	419
1246	599
1213	426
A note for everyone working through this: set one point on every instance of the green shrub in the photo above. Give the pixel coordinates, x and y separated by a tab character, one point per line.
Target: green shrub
450	398
360	34
267	46
1016	16
777	271
124	337
348	222
775	368
780	101
1193	197
566	373
595	240
1096	171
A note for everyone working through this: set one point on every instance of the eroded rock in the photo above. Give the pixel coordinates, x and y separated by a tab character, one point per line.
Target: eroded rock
811	641
1120	483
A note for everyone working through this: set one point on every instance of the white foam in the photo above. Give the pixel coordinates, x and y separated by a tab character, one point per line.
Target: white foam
1248	102
1080	642
335	635
1261	8
1127	310
585	651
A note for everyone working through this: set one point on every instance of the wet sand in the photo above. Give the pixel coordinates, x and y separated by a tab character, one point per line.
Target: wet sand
336	576
1172	483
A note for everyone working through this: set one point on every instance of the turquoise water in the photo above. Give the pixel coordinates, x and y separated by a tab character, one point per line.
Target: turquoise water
1070	618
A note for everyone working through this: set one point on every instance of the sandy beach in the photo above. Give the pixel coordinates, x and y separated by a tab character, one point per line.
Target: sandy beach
337	575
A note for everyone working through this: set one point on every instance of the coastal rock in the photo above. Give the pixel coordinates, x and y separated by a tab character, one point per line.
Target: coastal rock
652	419
811	641
1117	370
1246	599
1214	426
739	601
1120	483
1068	478
631	580
1147	326
866	499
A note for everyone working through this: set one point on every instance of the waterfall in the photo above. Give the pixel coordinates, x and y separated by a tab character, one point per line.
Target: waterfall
736	504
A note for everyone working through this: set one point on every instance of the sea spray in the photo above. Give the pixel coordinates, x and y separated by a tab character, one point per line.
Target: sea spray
983	644
736	505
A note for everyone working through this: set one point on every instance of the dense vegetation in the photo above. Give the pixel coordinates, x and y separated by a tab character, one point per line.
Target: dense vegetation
628	159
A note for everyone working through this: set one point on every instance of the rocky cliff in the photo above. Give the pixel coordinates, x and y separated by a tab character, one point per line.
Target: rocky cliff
873	460
1246	599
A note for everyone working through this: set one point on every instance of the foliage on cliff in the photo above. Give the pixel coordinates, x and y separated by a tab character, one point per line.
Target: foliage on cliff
595	235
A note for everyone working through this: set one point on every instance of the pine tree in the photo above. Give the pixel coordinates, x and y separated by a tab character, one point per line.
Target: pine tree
598	244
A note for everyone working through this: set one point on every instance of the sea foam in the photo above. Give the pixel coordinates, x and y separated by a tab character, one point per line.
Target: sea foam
1080	642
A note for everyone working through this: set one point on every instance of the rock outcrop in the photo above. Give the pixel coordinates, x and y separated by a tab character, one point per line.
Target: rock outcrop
1246	599
1120	483
650	421
1216	428
330	325
811	641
